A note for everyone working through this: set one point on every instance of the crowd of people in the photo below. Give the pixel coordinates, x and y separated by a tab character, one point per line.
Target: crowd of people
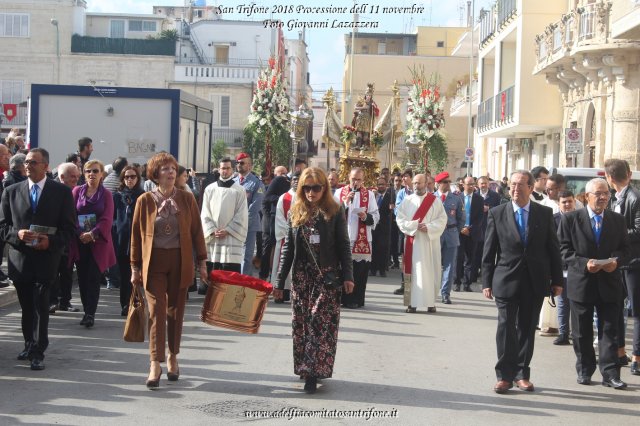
159	225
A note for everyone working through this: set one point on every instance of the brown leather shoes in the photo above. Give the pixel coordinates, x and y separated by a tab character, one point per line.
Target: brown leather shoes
525	385
502	386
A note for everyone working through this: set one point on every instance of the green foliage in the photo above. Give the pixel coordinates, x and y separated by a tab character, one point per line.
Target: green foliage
254	144
171	34
218	151
436	147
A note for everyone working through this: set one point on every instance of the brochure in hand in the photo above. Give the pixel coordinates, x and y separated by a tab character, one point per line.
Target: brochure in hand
87	222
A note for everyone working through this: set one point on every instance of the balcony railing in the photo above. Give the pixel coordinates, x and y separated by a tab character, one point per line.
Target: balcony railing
581	26
215	74
213	61
122	46
504	106
232	138
462	95
485	114
20	118
506	10
487	24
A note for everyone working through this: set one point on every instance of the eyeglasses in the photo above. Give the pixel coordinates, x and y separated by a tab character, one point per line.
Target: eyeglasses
541	178
32	162
601	194
242	163
94	171
314	188
130	176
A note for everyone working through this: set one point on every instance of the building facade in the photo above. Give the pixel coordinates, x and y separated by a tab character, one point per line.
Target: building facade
590	53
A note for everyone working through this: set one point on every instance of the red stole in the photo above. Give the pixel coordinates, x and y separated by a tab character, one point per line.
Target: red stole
361	245
286	203
419	215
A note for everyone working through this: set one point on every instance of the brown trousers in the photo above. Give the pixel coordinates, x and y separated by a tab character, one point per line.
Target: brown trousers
166	302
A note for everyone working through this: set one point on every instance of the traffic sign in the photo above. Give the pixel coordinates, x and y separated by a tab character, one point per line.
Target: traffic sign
573	141
468	153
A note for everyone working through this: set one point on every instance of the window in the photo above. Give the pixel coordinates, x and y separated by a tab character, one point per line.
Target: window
11	91
440	44
149	26
14	25
221	108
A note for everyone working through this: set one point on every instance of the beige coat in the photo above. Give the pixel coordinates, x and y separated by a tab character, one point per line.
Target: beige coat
191	236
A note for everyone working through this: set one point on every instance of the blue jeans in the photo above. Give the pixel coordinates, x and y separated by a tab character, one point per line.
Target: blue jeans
449	255
564	310
249	247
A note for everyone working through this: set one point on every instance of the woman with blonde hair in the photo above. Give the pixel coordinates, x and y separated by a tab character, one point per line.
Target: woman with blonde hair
166	231
317	249
92	249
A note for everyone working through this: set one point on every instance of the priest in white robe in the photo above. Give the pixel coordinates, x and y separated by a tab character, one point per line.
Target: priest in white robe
421	217
285	202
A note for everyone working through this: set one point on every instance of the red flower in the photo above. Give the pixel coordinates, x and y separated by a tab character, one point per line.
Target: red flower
272	62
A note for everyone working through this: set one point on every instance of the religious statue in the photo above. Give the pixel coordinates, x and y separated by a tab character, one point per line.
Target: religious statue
364	115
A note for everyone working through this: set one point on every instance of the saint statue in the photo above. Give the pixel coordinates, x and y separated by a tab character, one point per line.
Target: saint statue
364	115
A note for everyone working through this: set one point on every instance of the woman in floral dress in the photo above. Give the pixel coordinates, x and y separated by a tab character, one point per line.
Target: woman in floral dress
316	247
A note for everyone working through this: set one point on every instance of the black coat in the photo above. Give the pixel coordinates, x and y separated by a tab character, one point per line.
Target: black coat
630	209
124	203
55	209
507	263
477	216
578	245
492	200
335	248
13	178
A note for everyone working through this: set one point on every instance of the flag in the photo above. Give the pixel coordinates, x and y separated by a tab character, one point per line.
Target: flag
388	123
331	128
10	111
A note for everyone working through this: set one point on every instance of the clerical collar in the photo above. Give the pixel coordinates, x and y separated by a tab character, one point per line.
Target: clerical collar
225	183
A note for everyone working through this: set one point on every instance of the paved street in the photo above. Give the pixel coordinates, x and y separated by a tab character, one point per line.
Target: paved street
429	369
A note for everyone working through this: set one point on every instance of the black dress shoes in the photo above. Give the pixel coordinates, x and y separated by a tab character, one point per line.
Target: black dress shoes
124	311
623	360
202	288
614	383
635	369
37	364
53	308
399	290
69	308
562	339
584	380
456	287
383	274
83	321
468	289
310	385
89	321
446	300
23	356
351	305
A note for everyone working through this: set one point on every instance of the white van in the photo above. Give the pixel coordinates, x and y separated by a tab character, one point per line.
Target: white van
577	177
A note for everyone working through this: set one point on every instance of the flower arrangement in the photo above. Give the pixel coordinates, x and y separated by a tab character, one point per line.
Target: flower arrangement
348	134
425	114
270	104
376	139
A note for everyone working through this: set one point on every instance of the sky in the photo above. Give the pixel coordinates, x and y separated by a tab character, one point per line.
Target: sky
325	45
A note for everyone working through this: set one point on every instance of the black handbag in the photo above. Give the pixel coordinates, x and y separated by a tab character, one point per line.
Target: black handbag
330	278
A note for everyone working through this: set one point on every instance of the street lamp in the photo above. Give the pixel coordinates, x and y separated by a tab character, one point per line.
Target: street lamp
300	120
54	22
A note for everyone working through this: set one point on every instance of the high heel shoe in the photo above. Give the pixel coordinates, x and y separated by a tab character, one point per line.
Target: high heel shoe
310	385
173	377
155	383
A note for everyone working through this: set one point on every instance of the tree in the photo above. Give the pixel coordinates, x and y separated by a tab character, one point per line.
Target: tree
218	151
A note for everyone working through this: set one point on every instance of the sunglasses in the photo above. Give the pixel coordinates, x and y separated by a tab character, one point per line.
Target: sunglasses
242	163
314	188
130	176
94	171
31	162
445	181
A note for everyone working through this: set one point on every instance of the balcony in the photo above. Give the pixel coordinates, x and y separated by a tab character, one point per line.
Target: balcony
494	20
216	74
234	62
233	138
122	46
497	111
460	103
579	48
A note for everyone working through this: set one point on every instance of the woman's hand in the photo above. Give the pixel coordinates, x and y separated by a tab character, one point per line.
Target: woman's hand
204	277
86	238
136	277
348	287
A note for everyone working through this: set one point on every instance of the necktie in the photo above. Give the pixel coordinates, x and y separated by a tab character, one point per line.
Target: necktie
467	208
241	180
522	230
597	227
443	197
34	197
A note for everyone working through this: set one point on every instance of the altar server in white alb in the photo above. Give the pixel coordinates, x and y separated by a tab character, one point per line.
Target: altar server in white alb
285	202
225	220
362	217
422	218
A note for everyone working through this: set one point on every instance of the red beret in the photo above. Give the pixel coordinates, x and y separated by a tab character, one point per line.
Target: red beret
242	156
442	176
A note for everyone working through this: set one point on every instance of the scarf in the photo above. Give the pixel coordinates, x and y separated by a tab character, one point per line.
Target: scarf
166	206
92	204
357	231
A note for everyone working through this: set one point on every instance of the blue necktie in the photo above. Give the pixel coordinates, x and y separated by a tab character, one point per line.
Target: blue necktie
467	209
34	197
597	228
522	230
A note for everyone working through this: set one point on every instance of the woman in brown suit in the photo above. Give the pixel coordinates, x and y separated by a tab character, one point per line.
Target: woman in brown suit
166	231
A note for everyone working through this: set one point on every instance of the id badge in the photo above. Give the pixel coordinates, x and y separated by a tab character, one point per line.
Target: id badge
315	239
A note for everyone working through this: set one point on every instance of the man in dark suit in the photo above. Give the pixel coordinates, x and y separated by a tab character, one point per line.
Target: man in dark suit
594	242
491	199
34	255
521	260
470	235
382	231
627	202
